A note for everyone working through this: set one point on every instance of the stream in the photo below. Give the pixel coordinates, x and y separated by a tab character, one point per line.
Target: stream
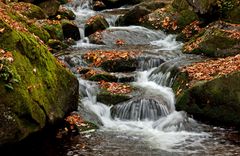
146	125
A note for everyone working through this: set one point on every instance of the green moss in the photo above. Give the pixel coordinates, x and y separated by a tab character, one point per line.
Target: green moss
45	91
55	30
216	101
186	17
30	10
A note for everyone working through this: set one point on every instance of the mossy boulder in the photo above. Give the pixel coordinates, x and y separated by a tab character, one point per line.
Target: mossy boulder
70	30
53	27
219	39
30	10
95	23
215	102
29	24
41	91
64	13
169	19
133	16
50	7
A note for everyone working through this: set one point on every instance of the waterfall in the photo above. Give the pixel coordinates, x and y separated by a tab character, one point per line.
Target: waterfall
151	114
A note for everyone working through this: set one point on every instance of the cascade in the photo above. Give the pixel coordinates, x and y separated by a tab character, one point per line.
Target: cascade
150	116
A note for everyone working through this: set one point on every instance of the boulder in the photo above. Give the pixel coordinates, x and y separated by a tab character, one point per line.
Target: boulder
64	13
35	90
219	39
70	30
53	27
133	16
215	102
95	23
30	10
169	19
50	7
210	91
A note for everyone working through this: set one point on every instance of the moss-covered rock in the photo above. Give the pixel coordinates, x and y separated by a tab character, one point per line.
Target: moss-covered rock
64	13
50	7
133	16
70	30
94	24
32	27
53	27
30	10
44	91
169	19
216	101
219	39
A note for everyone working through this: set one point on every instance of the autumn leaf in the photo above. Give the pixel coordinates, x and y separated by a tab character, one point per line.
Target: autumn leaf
99	56
115	88
209	69
2	30
120	42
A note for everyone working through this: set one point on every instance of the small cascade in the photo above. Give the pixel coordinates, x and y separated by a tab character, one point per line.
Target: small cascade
140	109
145	63
165	74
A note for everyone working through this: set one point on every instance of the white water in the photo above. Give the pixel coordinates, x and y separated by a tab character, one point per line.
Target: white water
169	133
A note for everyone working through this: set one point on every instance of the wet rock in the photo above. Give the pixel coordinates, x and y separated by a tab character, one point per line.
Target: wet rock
112	99
64	13
30	10
112	93
211	97
132	35
219	39
133	16
169	19
215	102
70	30
94	24
120	65
98	5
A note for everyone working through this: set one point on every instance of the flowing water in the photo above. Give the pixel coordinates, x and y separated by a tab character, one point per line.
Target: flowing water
146	124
